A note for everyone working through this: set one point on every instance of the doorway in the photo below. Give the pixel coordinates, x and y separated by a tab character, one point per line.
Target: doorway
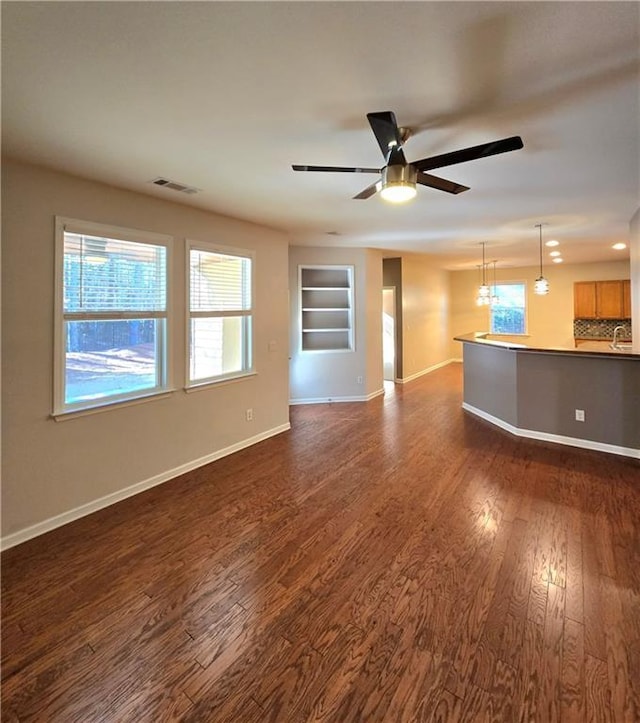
389	333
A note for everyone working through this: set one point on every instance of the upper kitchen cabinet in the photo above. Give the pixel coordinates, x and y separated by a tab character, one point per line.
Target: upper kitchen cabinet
626	299
584	300
609	299
602	299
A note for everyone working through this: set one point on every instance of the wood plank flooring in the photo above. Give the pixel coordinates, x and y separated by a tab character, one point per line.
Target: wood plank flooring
393	561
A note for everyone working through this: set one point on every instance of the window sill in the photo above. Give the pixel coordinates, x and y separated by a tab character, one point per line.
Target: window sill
109	406
522	336
218	382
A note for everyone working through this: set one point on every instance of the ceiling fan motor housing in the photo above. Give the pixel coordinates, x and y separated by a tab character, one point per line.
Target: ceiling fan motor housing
399	175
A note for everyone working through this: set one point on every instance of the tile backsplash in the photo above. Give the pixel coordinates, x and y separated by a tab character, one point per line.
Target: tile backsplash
600	328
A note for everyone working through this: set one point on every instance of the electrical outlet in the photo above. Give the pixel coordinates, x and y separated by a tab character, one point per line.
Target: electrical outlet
360	380
249	414
579	415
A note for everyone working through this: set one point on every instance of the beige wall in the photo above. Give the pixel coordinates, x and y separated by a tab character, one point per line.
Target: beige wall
425	314
549	318
50	468
319	376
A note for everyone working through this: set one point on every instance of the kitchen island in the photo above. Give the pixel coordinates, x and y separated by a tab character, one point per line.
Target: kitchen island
546	393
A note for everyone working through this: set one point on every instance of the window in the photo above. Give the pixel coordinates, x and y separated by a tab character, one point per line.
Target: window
508	313
111	315
220	314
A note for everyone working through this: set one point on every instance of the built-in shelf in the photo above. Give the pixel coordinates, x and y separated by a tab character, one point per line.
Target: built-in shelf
323	288
326	308
328	329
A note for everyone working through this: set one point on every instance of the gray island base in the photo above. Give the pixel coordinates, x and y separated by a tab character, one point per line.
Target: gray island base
587	399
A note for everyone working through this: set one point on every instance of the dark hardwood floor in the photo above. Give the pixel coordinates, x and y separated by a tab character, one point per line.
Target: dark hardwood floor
392	561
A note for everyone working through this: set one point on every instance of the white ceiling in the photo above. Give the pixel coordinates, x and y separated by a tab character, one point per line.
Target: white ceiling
226	96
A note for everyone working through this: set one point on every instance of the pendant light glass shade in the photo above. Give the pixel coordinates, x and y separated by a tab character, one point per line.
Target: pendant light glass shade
495	299
484	292
541	285
483	299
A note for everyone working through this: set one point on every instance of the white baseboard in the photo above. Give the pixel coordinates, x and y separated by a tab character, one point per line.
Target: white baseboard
332	400
377	393
428	370
52	523
555	438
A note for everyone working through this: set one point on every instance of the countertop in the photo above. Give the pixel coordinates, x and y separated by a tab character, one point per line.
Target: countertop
480	337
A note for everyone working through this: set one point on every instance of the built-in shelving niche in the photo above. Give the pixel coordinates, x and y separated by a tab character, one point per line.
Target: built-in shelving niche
326	308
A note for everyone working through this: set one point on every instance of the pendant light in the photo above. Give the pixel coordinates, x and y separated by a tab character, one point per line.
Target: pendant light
484	292
495	299
541	285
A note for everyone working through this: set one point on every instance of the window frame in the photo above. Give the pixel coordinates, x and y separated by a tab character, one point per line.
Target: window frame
248	364
164	373
525	332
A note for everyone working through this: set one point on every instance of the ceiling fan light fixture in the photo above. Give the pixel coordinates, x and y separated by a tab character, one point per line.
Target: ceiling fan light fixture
398	183
398	192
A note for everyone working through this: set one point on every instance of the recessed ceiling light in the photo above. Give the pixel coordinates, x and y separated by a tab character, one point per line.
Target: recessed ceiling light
557	260
553	242
554	253
619	246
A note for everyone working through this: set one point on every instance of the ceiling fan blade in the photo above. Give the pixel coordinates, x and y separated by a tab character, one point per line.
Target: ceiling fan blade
441	184
385	129
469	154
369	190
335	169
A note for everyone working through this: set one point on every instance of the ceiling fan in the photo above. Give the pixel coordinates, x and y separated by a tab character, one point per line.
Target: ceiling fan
398	178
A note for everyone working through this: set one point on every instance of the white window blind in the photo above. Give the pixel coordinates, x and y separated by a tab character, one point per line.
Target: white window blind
220	282
104	274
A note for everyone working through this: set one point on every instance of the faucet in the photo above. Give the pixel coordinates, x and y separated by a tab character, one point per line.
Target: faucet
614	344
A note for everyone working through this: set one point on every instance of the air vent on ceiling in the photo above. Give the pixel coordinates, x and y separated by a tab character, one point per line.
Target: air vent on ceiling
174	185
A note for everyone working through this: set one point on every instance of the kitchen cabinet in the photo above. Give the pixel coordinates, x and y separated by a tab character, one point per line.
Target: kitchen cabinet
609	299
626	299
602	299
584	300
